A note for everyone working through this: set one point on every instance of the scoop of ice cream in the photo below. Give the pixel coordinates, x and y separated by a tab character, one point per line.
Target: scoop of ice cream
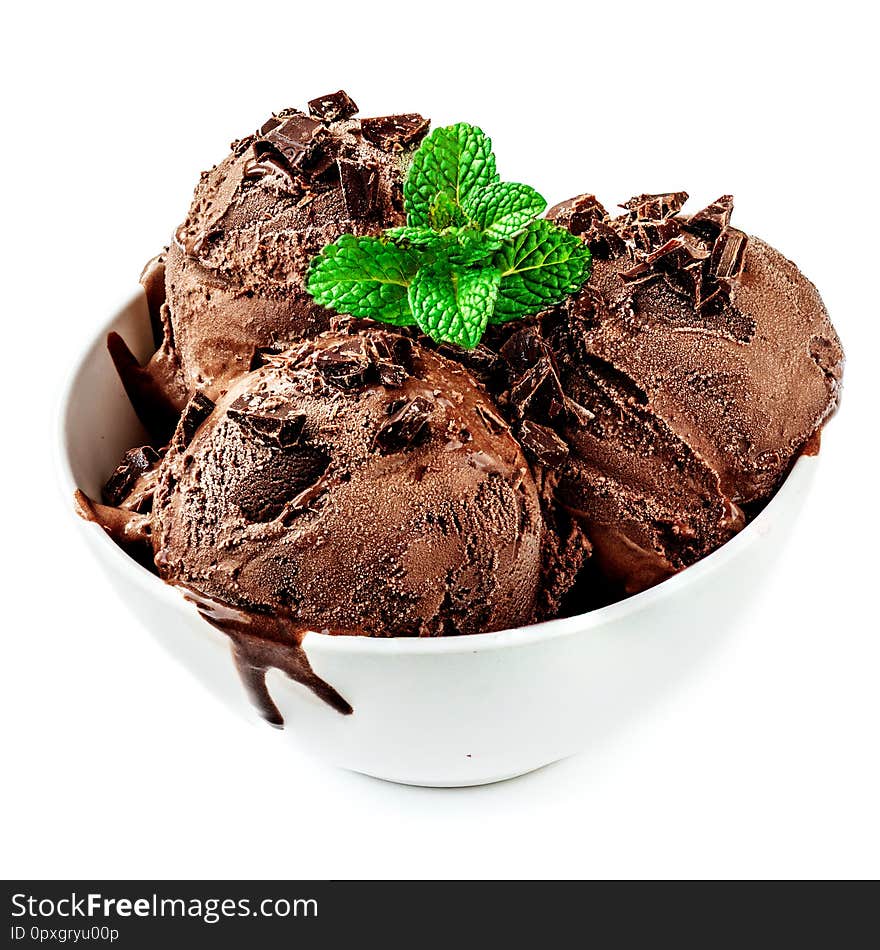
234	276
357	483
704	363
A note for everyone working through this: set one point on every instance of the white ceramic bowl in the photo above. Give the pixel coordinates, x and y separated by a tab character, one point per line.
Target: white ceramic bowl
458	711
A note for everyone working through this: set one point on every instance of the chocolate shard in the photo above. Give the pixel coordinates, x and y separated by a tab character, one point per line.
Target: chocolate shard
493	422
523	349
481	360
638	274
394	133
271	123
407	425
394	349
526	387
346	365
359	185
333	106
392	357
543	444
712	220
656	207
728	254
647	235
194	414
273	425
579	214
134	464
577	413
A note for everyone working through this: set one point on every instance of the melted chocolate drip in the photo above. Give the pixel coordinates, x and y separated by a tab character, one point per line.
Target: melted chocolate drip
260	643
146	393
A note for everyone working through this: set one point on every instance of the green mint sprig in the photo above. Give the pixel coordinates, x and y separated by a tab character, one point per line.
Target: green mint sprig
473	251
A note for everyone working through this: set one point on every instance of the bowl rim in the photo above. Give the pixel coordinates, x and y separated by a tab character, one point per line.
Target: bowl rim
796	479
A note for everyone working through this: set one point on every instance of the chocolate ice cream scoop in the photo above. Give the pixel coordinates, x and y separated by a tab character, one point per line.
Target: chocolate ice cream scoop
706	364
356	484
233	279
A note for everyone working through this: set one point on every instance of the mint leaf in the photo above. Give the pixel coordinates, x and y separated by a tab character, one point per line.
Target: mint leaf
453	161
444	212
471	251
539	268
364	277
454	245
503	208
472	247
453	304
420	237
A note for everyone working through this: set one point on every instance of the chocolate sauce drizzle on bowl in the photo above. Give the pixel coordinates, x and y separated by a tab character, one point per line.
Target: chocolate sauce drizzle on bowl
261	642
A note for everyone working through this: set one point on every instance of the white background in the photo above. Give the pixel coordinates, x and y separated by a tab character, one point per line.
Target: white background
116	764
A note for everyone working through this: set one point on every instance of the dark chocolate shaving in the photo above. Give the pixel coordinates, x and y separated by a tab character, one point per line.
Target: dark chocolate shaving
407	425
728	254
523	349
194	414
333	106
579	214
493	422
656	207
134	464
712	220
359	185
542	444
273	425
696	258
346	365
394	133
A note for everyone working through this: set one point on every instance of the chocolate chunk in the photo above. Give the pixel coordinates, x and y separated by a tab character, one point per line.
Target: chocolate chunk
390	374
481	360
604	241
527	386
333	106
279	483
392	358
578	214
406	426
347	365
712	220
274	425
542	444
135	462
523	349
296	138
393	133
271	123
359	185
714	296
656	207
647	236
194	414
728	254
